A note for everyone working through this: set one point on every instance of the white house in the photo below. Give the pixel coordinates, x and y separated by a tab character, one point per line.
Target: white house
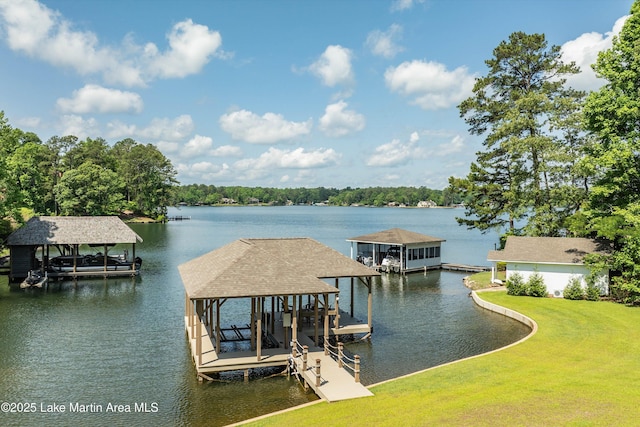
556	259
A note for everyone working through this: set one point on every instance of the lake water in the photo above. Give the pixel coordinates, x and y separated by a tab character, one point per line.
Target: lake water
118	345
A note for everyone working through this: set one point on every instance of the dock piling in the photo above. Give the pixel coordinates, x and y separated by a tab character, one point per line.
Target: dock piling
317	372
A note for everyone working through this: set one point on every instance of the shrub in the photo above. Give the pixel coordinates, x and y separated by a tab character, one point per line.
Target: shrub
574	289
593	290
535	286
515	284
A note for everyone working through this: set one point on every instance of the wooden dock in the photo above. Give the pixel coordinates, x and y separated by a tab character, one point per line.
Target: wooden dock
335	383
464	267
331	382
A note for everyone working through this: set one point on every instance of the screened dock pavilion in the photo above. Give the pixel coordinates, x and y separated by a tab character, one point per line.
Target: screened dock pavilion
289	290
409	251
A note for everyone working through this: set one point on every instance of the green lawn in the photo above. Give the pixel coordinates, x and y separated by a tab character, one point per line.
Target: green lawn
581	368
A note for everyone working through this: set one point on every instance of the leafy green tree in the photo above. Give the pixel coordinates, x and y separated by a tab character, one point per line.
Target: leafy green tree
96	151
29	171
526	115
89	189
58	147
150	176
612	114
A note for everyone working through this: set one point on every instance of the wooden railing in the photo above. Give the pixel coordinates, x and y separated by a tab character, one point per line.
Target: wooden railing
301	352
352	365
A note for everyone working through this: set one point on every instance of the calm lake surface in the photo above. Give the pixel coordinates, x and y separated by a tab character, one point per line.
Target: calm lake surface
97	344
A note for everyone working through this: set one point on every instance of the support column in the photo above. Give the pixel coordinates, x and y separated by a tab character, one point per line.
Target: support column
294	320
369	303
316	319
259	330
326	318
285	312
352	297
253	323
218	325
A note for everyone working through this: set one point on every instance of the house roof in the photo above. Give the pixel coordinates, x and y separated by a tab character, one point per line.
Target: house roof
396	236
268	267
547	250
72	230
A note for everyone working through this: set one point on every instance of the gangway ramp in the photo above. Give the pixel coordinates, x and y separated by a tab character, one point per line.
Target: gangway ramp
335	382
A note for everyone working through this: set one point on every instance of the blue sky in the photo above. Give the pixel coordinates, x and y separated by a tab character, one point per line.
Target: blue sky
278	93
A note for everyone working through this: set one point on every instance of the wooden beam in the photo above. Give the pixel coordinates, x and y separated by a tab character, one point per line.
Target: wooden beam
259	332
218	304
316	320
352	297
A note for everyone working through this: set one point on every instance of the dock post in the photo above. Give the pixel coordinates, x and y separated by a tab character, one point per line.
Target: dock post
246	375
305	353
317	372
340	354
356	369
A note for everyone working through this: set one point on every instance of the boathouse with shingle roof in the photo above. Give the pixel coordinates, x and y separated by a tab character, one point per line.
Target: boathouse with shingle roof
286	284
410	251
556	259
42	237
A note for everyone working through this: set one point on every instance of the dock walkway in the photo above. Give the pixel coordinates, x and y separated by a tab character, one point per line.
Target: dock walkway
336	383
464	267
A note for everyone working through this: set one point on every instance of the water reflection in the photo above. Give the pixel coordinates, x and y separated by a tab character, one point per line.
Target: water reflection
122	341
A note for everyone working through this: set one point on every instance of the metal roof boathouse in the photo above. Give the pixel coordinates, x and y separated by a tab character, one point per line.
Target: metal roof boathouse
397	250
31	247
290	305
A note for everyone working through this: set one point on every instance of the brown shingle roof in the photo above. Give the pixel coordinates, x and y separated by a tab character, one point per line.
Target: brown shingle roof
267	267
547	250
71	230
395	236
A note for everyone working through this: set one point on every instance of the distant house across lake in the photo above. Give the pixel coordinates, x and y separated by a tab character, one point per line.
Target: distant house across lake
556	259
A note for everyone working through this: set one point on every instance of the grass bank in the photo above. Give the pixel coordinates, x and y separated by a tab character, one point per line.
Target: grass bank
582	368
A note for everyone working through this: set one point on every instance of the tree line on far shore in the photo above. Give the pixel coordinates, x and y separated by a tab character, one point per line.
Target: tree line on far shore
200	194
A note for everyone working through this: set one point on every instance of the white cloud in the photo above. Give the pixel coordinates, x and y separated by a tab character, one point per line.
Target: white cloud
270	128
29	122
226	151
202	171
167	147
429	84
160	129
196	146
78	126
584	52
290	159
396	153
334	66
400	5
456	145
191	48
44	34
338	121
98	99
384	43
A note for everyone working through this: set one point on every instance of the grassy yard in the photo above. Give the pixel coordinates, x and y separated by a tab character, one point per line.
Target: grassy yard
582	368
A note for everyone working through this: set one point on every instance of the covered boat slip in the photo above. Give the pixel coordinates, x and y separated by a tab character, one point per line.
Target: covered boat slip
52	244
288	300
397	250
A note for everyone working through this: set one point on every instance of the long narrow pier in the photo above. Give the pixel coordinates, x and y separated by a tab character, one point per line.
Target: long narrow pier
464	267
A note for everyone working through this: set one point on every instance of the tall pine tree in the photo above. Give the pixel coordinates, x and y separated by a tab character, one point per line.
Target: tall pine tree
528	119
